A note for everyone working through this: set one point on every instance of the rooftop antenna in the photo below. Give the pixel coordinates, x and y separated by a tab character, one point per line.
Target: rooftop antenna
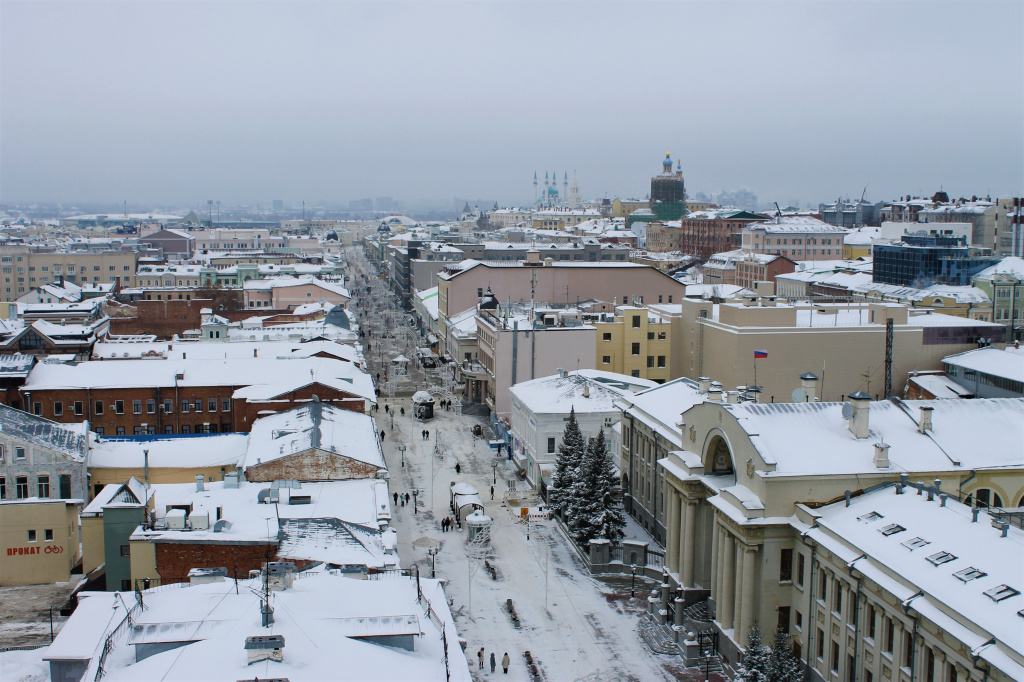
778	211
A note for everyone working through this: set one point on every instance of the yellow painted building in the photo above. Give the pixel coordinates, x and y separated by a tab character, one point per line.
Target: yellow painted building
39	541
636	343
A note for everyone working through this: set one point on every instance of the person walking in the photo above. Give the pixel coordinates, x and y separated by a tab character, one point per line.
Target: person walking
382	435
480	657
458	467
492	662
407	498
386	408
492	492
428	434
402	498
402	410
504	663
396	498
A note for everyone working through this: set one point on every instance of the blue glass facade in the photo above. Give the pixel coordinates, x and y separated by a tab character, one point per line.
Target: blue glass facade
922	260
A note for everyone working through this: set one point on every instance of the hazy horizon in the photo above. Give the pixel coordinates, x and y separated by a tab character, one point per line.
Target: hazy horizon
165	103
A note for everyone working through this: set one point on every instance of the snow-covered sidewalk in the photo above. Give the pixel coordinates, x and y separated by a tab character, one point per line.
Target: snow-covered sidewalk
573	625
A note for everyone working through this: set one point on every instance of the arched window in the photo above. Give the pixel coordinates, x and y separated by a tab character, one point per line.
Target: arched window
984	497
719	456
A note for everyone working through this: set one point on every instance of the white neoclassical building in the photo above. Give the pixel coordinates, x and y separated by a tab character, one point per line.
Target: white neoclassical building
741	496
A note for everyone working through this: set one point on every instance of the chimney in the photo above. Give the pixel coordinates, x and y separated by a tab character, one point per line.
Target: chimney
925	424
715	394
809	383
231	479
881	459
561	373
533	256
255	352
732	396
586	390
942	499
974	514
705	384
846	495
199	483
1005	528
861	404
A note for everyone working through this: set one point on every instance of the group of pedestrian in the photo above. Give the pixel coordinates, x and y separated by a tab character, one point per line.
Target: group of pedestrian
400	498
447	523
446	404
505	660
425	434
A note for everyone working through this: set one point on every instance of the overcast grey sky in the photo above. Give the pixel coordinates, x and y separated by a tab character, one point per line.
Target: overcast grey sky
178	102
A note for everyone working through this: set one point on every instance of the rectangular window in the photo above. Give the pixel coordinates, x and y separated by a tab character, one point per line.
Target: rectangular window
21	487
58	409
126	550
837	597
800	569
890	635
908	648
786	565
99	430
822	584
78	407
606	359
186	429
650	361
43	486
636	322
48	535
784	619
650	336
136	407
31	536
199	405
37	409
212	404
98	407
821	644
119	431
636	349
835	657
118	407
151	407
551	446
19	454
168	407
870	621
169	428
185	404
798	620
606	336
64	481
126	585
3	488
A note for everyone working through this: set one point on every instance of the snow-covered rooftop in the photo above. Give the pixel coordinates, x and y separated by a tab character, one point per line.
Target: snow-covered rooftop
964	594
1008	363
814	438
219	350
185	452
558	393
315	425
321	619
270	373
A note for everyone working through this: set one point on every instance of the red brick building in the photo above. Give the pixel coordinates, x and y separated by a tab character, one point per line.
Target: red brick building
130	397
760	267
707	232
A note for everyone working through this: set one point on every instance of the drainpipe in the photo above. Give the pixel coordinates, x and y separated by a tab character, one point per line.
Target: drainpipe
856	613
810	601
632	455
960	490
976	656
913	637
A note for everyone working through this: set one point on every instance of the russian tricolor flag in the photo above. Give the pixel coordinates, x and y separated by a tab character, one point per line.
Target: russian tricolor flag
760	354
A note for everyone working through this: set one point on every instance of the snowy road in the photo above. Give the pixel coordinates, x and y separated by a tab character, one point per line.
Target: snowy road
575	627
584	630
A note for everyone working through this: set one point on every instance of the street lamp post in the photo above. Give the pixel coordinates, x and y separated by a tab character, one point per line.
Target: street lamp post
401	448
632	582
414	500
494	471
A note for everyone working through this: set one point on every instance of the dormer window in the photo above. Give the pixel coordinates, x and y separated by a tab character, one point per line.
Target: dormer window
1001	592
941	558
891	529
969	574
914	543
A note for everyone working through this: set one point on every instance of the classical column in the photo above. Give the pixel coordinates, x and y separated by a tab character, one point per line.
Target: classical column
689	541
747	606
672	529
962	673
728	582
714	560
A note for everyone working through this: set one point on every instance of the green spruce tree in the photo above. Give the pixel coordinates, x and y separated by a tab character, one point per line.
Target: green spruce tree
783	666
570	452
754	667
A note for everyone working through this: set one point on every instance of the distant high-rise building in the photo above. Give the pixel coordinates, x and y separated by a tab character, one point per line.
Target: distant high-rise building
278	204
384	204
741	198
360	204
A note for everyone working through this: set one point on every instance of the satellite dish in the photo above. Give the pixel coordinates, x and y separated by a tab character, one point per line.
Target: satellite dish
847	411
799	396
